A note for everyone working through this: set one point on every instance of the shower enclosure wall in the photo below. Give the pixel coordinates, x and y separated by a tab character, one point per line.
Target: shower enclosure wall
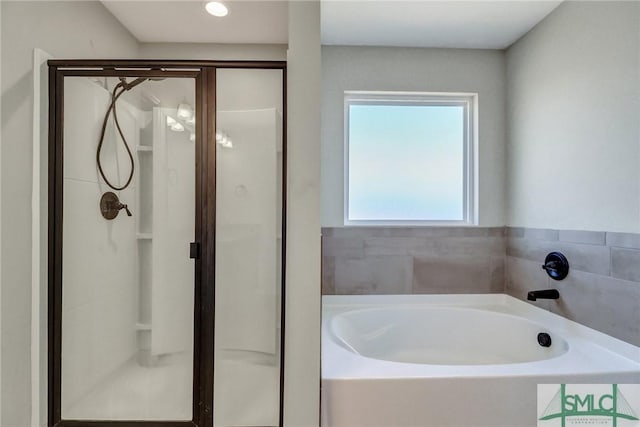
173	315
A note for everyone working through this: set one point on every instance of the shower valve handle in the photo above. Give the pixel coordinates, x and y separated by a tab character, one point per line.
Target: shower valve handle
124	206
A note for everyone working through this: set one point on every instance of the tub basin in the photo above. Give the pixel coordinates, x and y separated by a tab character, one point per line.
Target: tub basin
444	336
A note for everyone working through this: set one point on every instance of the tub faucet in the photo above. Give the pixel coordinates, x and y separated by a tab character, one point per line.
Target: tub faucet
543	294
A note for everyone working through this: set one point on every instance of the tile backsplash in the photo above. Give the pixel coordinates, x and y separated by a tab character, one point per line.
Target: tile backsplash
386	260
602	290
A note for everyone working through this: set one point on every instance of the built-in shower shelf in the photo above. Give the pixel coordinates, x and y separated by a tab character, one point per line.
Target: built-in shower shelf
143	327
144	236
144	148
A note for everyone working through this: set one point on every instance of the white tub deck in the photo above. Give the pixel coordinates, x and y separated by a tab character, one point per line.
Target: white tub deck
363	391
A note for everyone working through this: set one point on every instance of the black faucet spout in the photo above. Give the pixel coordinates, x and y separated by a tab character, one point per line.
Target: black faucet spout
543	294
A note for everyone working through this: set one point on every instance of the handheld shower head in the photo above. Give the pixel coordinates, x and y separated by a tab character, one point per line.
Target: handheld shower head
128	86
134	83
122	87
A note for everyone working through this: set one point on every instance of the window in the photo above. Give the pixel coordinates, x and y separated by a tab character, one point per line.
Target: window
409	158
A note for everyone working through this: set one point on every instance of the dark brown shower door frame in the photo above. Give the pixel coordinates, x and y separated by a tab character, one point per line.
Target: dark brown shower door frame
204	74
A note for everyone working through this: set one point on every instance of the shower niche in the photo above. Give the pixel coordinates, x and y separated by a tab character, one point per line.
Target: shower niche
170	316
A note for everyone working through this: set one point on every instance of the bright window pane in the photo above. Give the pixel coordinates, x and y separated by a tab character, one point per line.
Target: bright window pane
406	162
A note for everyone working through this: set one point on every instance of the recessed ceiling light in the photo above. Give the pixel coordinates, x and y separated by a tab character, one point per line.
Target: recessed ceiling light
216	8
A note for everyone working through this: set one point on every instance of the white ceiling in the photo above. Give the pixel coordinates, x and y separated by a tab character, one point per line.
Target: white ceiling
484	24
185	21
428	23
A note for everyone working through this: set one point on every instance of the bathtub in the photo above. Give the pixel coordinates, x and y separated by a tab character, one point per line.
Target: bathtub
454	360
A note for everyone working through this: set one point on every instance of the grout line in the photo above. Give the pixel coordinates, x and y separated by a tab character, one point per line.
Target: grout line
610	262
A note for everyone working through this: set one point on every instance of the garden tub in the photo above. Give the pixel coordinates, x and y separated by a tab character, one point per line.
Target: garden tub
454	360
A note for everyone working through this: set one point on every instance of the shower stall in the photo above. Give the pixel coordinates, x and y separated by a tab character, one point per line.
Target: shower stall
166	243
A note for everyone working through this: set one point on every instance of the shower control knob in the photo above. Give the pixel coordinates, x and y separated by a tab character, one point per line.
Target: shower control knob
110	206
556	265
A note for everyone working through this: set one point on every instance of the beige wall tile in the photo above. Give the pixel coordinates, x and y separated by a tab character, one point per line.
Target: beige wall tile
374	275
451	275
603	303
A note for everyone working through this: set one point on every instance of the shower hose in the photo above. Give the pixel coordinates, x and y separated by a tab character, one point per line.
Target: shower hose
118	90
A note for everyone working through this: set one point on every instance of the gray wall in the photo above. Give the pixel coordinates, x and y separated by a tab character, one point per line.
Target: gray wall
573	90
302	335
414	69
210	51
65	30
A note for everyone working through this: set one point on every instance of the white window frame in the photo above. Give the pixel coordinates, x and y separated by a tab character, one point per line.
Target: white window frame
470	168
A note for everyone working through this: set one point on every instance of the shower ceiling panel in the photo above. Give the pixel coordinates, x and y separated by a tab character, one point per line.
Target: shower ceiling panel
478	24
252	22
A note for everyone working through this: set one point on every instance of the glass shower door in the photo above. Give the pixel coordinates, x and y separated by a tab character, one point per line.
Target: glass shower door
166	246
127	344
249	247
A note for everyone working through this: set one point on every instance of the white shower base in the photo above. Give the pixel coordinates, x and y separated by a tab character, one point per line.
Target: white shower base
135	392
246	391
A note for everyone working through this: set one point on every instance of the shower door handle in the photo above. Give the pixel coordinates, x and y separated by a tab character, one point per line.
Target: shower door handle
194	250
